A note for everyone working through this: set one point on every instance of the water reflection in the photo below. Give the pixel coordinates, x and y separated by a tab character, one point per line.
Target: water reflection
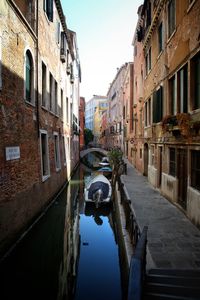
70	254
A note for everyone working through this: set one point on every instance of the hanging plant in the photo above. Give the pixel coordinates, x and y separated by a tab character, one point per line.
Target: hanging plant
168	122
183	120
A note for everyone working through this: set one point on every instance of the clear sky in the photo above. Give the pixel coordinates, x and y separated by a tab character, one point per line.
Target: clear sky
104	31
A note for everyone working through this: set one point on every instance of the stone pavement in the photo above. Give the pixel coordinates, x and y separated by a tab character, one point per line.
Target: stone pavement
173	241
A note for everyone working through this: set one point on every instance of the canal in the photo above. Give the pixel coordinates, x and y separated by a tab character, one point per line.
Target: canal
71	253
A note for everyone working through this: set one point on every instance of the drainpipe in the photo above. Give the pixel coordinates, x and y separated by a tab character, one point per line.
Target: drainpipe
37	92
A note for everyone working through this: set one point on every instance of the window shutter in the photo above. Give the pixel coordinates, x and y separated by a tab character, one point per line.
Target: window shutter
154	107
160	105
50	10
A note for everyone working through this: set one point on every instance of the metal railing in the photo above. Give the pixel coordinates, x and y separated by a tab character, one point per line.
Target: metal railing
138	268
139	241
131	223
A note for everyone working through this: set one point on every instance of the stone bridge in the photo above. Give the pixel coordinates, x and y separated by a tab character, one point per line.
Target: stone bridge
89	150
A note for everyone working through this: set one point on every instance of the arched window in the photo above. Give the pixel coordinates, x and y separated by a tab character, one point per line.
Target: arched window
29	77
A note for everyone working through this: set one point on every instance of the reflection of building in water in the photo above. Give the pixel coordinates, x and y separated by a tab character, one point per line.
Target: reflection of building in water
68	267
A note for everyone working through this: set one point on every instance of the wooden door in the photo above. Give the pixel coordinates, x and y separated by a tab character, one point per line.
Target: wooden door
182	174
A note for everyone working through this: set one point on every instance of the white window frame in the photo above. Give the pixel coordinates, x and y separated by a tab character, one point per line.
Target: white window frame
57	150
64	150
32	102
44	92
44	177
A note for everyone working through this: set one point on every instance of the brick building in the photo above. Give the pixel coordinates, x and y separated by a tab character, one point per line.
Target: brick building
39	96
169	33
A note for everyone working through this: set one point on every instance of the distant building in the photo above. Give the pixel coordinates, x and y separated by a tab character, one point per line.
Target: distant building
116	113
90	109
100	108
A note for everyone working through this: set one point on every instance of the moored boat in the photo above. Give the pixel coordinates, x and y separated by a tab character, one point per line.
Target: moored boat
98	190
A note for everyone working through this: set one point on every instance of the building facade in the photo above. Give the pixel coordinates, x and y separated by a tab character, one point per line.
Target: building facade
37	55
115	96
169	33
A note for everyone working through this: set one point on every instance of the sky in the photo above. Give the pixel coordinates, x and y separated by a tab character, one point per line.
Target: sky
105	31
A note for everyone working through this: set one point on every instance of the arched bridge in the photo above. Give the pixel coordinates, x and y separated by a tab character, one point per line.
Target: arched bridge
89	150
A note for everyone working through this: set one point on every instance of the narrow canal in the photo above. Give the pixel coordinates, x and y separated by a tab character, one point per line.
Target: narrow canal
71	253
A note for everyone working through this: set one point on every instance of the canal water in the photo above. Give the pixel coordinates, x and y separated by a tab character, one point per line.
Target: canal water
71	253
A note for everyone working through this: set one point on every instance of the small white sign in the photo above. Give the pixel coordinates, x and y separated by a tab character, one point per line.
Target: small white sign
12	153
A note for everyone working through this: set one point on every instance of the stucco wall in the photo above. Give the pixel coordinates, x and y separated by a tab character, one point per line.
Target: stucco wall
169	187
152	175
193	205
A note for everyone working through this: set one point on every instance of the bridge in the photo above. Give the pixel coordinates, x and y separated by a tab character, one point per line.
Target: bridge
89	150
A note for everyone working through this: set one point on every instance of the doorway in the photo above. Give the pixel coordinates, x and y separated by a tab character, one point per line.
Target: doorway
146	159
182	174
159	166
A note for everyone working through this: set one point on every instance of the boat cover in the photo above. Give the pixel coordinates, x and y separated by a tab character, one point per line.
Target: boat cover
98	185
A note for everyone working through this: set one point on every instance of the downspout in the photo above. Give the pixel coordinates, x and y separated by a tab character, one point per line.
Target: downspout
37	92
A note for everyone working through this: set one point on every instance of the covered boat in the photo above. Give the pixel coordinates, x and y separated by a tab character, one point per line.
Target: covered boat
98	190
104	161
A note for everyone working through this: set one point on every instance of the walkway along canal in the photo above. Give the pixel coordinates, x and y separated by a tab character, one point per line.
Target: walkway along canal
70	253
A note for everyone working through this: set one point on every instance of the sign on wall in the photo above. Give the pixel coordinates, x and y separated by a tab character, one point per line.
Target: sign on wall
12	153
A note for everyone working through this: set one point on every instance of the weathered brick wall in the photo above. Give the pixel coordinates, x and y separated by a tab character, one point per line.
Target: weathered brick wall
22	192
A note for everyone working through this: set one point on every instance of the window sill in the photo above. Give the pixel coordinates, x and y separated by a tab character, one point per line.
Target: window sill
190	6
171	36
29	103
44	108
159	55
44	178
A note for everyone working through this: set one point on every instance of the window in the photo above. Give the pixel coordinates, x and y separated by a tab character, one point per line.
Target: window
48	8
160	38
172	95
29	77
195	81
57	151
172	161
148	61
152	155
61	103
171	17
67	110
44	154
44	80
58	33
50	92
195	169
140	153
148	14
147	112
183	89
64	152
56	97
63	48
158	105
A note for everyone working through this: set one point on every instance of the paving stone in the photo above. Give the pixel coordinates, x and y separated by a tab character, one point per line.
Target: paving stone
173	241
